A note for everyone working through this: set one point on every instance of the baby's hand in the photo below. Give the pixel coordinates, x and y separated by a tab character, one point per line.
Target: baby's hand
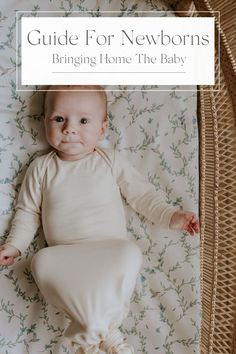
185	221
7	254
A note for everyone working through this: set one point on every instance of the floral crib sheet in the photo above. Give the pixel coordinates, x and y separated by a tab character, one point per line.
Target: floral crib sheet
158	132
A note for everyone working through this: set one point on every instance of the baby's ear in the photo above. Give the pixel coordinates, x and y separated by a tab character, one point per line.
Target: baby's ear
104	128
105	123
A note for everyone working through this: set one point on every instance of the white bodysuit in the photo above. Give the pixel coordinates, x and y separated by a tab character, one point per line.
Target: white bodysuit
89	269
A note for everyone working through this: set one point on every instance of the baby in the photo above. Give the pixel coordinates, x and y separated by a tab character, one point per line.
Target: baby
89	269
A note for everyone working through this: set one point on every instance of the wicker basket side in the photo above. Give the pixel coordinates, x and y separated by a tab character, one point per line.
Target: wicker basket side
218	222
218	204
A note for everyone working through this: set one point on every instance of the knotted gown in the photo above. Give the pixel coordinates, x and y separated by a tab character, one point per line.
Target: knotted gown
89	268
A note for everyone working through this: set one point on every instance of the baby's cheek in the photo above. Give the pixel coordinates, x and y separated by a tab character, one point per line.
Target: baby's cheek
89	137
54	136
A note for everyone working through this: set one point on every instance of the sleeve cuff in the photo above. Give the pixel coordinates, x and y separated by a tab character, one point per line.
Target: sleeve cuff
166	217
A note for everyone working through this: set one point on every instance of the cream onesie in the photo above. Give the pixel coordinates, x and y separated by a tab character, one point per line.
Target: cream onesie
89	269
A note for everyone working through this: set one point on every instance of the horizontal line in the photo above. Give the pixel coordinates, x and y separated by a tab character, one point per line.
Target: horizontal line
135	90
119	72
133	11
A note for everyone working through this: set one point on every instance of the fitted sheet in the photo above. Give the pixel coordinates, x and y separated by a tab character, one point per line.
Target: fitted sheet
158	132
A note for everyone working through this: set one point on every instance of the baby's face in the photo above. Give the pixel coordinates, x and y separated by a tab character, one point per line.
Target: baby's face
74	122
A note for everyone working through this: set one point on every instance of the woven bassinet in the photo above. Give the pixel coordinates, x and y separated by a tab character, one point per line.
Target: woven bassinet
217	133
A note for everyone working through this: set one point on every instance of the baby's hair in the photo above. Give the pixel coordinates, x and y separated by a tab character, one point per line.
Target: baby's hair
99	89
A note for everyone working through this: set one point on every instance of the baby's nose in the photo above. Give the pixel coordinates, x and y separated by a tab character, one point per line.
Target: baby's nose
70	129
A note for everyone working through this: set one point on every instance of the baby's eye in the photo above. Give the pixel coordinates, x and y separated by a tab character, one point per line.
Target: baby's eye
59	119
83	120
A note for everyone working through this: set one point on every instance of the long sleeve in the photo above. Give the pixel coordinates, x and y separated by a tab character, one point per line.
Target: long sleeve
27	217
140	194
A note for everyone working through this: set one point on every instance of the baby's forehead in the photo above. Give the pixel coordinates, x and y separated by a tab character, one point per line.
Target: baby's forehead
56	95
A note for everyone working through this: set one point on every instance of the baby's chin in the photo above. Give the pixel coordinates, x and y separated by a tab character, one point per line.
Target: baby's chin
71	147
